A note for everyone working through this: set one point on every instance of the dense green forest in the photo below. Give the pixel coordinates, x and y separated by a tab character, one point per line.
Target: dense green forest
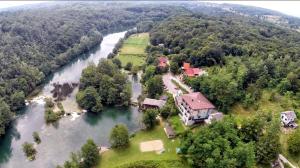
247	55
102	85
35	42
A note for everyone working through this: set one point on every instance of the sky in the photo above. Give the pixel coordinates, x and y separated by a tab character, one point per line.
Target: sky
286	7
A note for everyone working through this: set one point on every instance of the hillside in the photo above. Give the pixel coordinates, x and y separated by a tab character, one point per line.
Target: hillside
36	42
248	55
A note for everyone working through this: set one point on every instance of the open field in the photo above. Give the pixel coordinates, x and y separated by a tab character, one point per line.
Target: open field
113	158
133	49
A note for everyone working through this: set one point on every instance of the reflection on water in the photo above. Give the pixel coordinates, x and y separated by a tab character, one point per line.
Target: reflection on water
67	135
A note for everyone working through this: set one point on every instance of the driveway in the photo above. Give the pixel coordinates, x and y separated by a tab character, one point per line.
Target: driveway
171	87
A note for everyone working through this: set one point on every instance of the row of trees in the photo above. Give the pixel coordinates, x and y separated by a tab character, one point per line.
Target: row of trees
102	85
224	144
29	51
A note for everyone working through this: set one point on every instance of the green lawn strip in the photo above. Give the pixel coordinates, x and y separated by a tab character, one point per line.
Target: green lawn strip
154	164
176	124
133	49
179	86
113	158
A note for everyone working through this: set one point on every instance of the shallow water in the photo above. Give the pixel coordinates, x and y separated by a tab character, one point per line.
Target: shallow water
71	132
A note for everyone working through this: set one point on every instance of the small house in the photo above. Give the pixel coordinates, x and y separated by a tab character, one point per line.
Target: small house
191	72
288	119
169	131
162	62
153	103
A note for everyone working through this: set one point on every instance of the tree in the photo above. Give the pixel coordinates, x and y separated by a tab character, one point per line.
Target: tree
268	146
18	100
155	86
135	70
174	68
217	145
89	100
36	137
117	62
149	118
5	116
89	154
252	129
29	150
119	137
294	143
128	66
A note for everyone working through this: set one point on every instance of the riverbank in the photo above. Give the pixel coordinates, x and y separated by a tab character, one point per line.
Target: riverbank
65	136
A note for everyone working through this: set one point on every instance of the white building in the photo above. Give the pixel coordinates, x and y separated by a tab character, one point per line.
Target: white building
193	107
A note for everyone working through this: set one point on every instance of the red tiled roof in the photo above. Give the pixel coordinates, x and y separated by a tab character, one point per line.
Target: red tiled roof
193	72
162	61
189	72
186	66
197	101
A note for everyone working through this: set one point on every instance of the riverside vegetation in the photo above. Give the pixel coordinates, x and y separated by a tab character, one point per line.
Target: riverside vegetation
31	51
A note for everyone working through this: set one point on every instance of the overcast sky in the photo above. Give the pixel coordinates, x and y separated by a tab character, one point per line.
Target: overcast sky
287	7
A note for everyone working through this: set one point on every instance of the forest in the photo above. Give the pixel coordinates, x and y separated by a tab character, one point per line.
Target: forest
102	85
244	55
36	42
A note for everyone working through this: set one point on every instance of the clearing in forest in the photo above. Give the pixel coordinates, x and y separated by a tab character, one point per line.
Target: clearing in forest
133	49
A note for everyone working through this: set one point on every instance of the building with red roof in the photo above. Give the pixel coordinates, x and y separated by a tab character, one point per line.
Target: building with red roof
194	107
162	62
191	72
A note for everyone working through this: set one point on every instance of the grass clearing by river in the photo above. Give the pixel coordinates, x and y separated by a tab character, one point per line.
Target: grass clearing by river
133	49
113	158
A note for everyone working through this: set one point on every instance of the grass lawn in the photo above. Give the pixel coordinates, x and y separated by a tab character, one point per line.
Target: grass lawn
133	49
113	158
176	124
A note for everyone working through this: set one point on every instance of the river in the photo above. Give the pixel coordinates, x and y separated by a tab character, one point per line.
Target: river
70	133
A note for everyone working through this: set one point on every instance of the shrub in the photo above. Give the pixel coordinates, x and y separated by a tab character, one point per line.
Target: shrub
119	136
294	143
36	138
29	150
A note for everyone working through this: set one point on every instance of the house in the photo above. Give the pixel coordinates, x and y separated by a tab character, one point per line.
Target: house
191	72
153	103
169	131
288	119
214	117
194	107
162	62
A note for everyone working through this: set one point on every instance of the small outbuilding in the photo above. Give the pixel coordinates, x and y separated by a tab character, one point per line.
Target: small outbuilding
153	103
218	116
169	131
288	119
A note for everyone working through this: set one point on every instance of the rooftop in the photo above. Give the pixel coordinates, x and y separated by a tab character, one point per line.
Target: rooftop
289	114
154	102
197	101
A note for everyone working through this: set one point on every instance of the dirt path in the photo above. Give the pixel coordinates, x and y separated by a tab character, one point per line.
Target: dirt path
171	87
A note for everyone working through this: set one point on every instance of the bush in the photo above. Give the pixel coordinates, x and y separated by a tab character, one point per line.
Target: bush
36	138
119	136
29	150
128	66
51	116
149	118
294	143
